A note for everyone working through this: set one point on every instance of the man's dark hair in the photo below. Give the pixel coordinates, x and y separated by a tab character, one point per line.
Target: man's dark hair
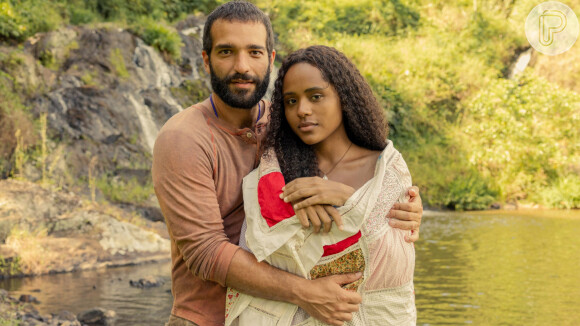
363	118
239	11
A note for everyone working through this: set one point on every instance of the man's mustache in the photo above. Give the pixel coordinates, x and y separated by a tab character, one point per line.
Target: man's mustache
238	76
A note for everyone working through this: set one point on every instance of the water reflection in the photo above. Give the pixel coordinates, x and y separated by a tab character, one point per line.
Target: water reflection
489	268
499	269
108	288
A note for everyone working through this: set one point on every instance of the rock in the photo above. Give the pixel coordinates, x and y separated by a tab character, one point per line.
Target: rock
28	298
97	317
66	315
147	282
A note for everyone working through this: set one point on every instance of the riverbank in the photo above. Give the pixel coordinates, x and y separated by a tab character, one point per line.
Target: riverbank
45	230
21	312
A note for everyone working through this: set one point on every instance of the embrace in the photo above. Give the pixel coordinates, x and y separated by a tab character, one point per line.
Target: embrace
322	229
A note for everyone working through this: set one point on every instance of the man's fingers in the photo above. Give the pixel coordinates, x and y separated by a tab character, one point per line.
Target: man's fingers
343	279
333	212
403	225
414	207
413	191
413	237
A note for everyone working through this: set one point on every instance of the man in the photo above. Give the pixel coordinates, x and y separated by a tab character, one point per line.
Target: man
200	158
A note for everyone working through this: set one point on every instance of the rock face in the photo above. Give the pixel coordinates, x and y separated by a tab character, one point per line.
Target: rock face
54	231
106	93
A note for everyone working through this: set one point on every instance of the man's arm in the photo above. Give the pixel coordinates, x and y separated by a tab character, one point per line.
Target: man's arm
183	179
323	298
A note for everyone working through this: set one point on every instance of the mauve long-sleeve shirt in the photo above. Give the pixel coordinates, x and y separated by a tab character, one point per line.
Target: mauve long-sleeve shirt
199	162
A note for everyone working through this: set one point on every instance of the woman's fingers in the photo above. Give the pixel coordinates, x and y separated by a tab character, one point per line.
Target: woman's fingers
303	218
324	218
333	212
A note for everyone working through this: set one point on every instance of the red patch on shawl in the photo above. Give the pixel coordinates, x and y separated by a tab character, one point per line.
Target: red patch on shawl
341	245
274	209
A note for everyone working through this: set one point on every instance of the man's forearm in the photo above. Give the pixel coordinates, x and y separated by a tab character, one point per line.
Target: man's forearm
323	298
247	275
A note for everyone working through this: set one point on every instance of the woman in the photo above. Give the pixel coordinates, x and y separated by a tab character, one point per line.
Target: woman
326	124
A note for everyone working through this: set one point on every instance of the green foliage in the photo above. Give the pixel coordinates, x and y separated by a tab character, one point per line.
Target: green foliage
564	193
160	36
10	266
125	191
20	19
190	92
524	134
299	22
176	9
118	63
469	192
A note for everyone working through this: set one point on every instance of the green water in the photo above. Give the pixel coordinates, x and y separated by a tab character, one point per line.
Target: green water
490	268
499	268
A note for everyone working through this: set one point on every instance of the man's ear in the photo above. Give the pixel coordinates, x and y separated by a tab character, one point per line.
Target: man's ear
273	56
205	62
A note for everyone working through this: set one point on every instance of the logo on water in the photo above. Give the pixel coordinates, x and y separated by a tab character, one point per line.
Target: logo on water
552	28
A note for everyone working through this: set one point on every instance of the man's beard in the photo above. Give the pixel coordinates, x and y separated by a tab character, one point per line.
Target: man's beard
238	99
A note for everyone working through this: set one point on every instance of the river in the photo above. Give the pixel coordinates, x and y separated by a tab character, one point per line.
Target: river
480	268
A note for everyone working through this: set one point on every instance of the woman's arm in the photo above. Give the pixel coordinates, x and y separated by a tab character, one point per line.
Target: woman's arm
313	198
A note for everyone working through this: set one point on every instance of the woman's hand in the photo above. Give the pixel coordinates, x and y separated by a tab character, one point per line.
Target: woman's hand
319	216
311	191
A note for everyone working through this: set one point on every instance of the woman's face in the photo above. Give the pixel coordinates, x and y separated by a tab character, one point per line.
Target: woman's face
312	105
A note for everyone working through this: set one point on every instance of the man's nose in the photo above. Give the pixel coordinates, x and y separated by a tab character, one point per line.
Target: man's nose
242	64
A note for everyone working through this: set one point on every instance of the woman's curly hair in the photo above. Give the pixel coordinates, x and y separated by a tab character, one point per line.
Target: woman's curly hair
362	116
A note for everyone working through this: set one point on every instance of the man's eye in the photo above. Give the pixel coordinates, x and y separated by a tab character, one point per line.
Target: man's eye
225	52
256	53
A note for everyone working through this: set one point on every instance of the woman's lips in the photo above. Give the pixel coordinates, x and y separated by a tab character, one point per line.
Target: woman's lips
306	126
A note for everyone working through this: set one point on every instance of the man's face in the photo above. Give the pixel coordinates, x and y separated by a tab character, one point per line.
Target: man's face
239	64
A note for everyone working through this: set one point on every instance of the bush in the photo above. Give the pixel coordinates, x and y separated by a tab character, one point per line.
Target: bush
524	134
125	191
160	36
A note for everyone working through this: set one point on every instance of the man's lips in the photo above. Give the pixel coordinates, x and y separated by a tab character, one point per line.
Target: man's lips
242	83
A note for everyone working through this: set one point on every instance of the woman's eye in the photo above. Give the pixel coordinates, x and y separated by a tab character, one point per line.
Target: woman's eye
316	97
290	101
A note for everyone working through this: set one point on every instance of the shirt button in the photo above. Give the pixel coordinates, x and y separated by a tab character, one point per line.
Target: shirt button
249	135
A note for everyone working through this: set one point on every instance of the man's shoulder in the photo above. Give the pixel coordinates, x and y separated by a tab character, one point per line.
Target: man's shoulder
189	126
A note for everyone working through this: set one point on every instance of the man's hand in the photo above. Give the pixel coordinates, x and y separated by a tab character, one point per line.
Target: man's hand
407	216
325	299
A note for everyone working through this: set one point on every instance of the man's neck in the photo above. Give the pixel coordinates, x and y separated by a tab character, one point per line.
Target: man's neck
238	118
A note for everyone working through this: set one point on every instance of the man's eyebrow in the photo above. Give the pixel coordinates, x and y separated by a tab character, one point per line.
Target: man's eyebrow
256	46
223	46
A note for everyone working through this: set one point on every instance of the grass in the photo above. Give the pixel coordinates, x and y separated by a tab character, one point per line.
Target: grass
124	191
118	63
